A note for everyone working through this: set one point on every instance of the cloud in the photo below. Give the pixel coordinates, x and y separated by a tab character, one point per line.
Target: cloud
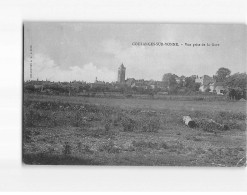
45	68
83	51
145	62
152	62
111	46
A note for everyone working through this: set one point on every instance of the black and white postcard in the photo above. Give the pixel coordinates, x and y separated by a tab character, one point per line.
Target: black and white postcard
134	94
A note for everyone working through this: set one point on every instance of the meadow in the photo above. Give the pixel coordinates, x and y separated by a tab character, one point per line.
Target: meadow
131	131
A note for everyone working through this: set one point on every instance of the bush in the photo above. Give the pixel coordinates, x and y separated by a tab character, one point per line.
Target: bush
33	117
144	123
109	147
210	125
232	125
107	124
164	145
128	124
117	118
67	149
230	115
149	124
83	148
78	120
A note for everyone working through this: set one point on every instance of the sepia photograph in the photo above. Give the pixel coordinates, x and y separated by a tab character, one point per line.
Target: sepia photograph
134	94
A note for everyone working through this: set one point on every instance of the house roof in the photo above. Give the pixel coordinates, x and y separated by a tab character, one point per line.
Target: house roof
218	84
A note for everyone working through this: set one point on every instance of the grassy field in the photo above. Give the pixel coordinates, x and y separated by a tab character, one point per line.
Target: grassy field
208	106
103	131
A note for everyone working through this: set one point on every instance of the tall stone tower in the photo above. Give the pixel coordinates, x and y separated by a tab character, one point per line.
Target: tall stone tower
121	74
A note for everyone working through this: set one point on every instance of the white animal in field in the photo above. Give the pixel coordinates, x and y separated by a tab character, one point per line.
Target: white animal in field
189	122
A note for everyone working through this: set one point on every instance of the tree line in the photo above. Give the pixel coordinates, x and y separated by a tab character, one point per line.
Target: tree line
235	84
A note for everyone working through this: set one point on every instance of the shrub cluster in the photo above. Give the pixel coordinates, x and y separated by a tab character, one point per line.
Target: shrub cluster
64	114
150	124
229	115
109	147
142	123
128	124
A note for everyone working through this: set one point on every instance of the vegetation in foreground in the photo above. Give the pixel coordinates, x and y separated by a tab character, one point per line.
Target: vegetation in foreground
89	134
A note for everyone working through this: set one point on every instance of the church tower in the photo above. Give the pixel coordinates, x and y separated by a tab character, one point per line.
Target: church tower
121	74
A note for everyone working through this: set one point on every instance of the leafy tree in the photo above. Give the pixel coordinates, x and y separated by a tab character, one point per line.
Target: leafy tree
236	93
84	87
191	85
196	86
237	80
169	81
181	83
222	74
189	82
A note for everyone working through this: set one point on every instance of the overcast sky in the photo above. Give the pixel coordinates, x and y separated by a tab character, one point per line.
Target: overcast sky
83	51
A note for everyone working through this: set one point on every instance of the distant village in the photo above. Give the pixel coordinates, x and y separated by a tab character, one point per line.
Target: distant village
170	84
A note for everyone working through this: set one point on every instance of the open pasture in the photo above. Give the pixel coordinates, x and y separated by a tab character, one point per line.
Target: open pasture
204	106
101	131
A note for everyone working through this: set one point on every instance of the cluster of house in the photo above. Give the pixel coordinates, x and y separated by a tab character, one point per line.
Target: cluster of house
130	82
209	84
